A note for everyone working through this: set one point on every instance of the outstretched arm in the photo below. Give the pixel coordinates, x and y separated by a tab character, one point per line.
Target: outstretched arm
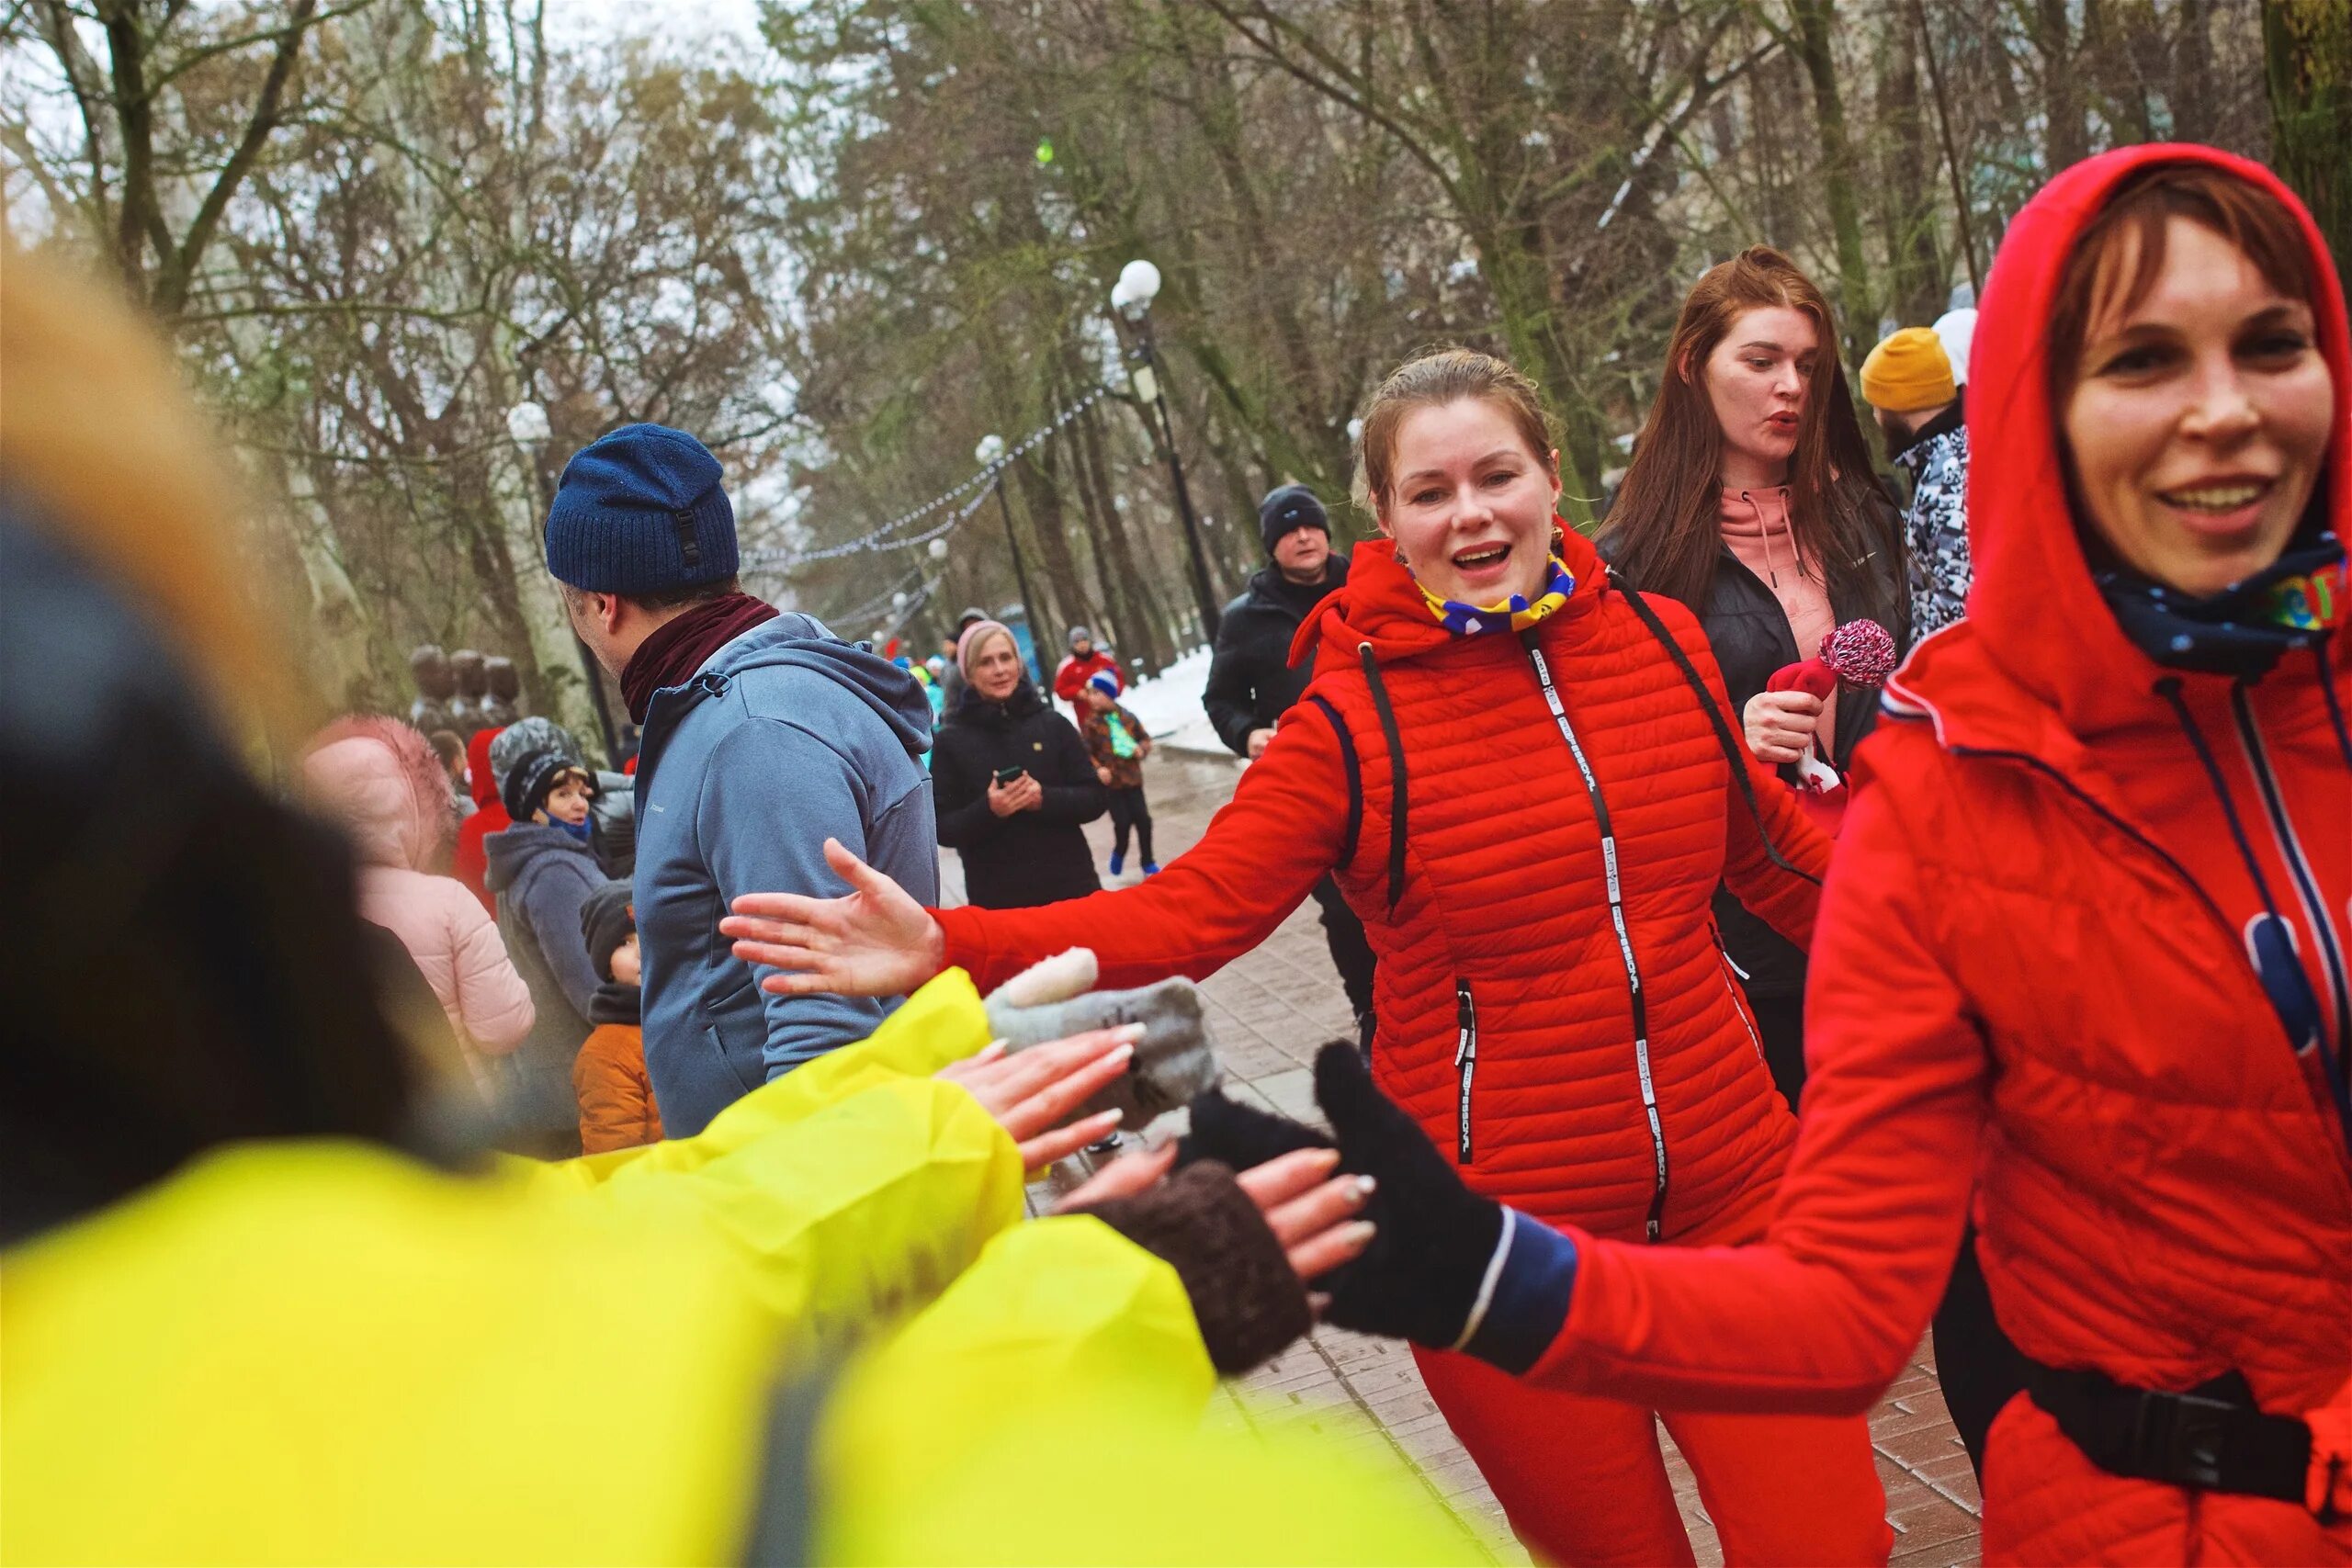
1260	855
1820	1316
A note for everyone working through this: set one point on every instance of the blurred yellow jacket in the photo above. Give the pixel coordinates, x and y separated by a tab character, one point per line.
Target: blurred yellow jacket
325	1352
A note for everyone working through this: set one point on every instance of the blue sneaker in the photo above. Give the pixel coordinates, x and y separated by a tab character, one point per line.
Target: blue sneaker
1118	864
1151	868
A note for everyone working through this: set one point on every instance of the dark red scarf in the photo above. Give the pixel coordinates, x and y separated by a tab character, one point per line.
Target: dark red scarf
681	646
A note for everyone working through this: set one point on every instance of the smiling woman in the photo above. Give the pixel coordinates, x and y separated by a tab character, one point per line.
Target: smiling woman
1524	781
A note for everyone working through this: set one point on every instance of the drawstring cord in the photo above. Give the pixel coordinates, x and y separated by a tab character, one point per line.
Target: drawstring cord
2168	688
2327	692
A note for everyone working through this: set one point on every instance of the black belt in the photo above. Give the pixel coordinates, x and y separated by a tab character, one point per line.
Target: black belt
2212	1437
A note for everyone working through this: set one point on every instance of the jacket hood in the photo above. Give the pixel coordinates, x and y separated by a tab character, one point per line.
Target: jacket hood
972	707
381	782
479	781
2034	613
1380	603
795	639
507	851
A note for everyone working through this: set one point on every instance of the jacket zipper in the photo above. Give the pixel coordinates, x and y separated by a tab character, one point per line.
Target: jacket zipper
1739	1001
2119	824
1465	1065
2299	871
1655	1225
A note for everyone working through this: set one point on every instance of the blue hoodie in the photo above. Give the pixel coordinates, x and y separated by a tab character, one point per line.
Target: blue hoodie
787	737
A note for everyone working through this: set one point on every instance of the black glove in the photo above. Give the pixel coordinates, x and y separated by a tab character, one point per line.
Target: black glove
1420	1276
1241	1136
1246	1298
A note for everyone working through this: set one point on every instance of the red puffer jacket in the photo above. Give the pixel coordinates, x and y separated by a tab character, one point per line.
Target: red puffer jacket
2029	977
1561	1020
470	863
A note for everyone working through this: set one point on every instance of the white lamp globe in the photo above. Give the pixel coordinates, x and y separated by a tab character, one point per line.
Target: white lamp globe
1138	285
527	424
938	549
990	450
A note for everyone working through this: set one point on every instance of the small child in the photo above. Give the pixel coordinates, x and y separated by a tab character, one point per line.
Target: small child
1116	741
617	1109
542	872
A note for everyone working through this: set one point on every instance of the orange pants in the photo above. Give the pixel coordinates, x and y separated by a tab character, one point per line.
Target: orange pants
1583	1481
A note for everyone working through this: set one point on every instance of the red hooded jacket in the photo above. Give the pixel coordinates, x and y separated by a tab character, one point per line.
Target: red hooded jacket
1509	1021
2030	982
470	863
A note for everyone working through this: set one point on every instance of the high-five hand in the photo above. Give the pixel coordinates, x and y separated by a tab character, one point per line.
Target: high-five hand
875	940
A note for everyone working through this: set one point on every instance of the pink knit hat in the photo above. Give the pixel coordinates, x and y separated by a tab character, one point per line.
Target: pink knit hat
968	647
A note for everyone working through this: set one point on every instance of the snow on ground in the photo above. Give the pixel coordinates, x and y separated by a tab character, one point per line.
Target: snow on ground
1169	705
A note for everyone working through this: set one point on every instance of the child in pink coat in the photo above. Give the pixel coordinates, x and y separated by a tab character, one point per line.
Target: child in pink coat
379	780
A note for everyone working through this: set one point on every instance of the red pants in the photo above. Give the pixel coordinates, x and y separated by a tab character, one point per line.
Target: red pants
1583	1481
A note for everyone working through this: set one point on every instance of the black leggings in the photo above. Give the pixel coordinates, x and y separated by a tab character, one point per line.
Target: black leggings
1130	809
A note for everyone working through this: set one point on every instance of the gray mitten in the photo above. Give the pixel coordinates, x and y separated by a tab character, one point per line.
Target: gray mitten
1174	1061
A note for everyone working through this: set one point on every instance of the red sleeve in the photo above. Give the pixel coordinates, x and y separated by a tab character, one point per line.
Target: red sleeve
1820	1316
1260	855
1783	900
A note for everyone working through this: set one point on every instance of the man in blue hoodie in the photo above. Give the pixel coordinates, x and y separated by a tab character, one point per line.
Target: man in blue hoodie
764	736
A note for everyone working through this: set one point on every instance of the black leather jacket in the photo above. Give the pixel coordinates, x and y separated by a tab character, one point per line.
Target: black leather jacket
1750	635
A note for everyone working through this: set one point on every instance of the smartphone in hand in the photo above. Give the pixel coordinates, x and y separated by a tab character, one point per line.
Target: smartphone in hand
1006	775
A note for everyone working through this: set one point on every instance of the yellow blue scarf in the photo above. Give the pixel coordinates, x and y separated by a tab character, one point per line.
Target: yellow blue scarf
1515	614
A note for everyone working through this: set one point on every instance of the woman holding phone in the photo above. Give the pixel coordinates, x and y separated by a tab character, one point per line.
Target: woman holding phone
1014	784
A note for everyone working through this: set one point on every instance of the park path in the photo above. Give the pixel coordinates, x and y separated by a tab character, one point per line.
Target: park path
1271	1010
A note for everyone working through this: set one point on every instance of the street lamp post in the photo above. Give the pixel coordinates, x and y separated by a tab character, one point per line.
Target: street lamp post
989	454
1138	285
526	423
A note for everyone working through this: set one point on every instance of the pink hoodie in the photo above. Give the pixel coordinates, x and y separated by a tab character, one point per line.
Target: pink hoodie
379	780
1755	526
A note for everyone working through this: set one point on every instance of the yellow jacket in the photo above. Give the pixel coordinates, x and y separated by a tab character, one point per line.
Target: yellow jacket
324	1352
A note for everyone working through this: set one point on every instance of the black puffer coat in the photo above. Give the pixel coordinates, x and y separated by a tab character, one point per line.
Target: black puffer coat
1250	681
1750	635
1031	857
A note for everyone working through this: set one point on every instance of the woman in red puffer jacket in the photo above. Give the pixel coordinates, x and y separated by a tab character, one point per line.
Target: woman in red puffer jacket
1527	784
2082	962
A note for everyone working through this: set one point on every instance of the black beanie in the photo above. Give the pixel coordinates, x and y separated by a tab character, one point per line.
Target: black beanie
1292	506
532	780
606	921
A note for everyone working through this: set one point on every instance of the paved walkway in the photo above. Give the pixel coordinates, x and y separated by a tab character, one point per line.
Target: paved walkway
1271	1010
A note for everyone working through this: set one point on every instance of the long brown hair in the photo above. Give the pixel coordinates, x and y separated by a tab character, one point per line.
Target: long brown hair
1663	528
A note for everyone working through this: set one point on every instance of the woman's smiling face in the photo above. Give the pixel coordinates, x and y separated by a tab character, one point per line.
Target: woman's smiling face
2198	423
1471	507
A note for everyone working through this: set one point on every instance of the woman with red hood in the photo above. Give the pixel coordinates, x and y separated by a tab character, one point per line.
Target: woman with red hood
1527	784
2081	968
470	863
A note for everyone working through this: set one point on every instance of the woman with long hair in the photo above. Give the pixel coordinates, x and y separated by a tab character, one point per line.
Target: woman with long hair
1525	781
1751	499
2082	967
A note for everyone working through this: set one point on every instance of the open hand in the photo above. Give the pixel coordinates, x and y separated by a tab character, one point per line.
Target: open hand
875	940
1311	1208
1779	725
1031	1092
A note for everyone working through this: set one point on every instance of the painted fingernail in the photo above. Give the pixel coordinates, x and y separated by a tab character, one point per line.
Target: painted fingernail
1112	1117
1356	1233
1129	1031
1122	1056
1364	1185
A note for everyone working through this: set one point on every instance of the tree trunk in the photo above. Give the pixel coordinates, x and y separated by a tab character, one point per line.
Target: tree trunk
2068	141
1144	607
1815	20
2307	46
1916	277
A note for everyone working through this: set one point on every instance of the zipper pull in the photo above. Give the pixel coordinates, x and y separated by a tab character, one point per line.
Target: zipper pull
1465	1023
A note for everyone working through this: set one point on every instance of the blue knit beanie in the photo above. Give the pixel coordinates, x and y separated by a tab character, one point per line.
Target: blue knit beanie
640	510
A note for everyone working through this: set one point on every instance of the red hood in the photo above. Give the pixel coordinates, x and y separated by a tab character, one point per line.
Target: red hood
2034	615
479	781
1381	604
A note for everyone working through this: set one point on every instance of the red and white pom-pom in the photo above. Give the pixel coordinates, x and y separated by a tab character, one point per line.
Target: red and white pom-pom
1859	653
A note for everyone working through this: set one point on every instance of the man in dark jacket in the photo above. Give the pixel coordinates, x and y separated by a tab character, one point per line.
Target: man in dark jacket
764	736
1015	785
1252	683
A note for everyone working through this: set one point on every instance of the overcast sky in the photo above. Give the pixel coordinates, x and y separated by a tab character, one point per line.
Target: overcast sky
686	22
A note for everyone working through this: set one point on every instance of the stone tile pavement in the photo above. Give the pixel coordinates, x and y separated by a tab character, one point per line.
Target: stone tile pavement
1271	1010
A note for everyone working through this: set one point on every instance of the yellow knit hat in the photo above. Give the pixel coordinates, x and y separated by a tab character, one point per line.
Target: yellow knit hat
1908	372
